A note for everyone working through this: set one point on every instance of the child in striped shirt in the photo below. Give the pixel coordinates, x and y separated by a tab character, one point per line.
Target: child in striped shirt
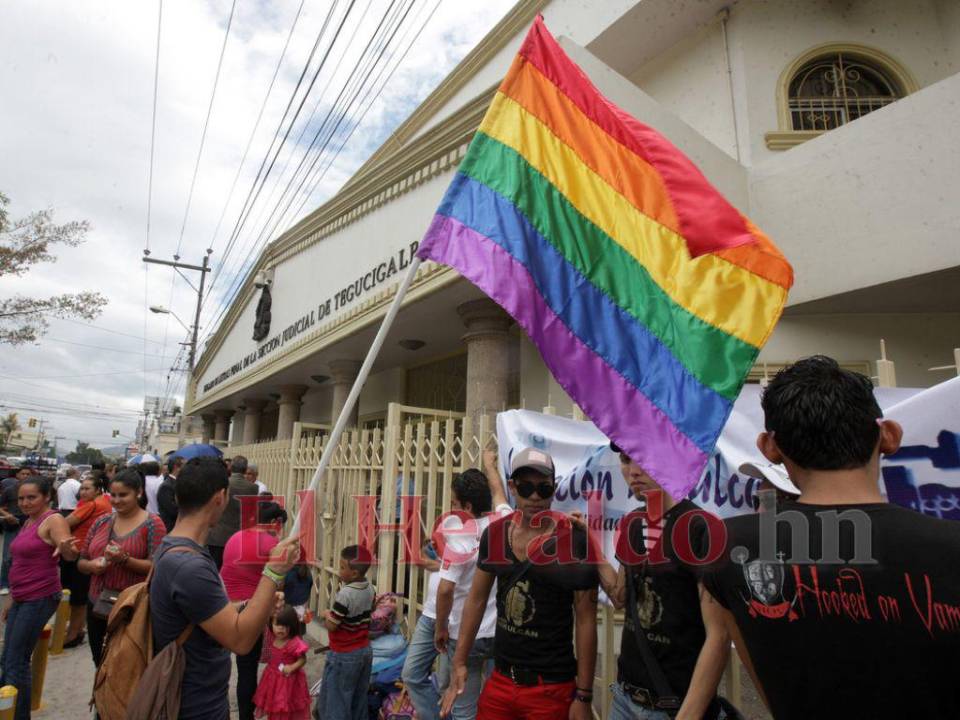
346	673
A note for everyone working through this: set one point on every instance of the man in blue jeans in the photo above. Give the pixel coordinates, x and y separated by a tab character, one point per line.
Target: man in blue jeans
473	496
421	652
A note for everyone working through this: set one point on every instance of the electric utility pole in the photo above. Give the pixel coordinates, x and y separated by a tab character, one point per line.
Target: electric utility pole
203	269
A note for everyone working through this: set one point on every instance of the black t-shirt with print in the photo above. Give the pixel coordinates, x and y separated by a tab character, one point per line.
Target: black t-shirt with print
847	638
535	616
668	603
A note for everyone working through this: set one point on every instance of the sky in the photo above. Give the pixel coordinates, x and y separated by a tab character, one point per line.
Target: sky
77	83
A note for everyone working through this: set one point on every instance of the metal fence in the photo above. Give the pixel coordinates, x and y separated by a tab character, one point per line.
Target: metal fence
418	452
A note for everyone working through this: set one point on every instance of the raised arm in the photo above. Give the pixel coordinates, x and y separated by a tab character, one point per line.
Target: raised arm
490	469
238	628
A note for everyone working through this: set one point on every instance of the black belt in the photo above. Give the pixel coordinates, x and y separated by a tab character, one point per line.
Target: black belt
647	698
529	677
640	695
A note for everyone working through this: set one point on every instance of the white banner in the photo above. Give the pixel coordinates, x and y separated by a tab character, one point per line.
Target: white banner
924	475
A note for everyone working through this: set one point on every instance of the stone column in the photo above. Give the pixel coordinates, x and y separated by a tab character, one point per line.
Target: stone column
488	359
221	433
343	373
236	426
208	424
289	403
251	419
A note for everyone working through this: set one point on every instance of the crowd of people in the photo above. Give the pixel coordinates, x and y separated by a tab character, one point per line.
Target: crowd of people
839	604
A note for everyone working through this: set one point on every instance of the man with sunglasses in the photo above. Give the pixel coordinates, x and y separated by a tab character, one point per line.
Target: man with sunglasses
546	596
683	631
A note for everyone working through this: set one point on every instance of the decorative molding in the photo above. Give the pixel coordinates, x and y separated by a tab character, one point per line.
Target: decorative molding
514	22
785	137
431	277
428	156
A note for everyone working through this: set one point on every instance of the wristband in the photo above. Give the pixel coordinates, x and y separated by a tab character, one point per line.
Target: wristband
583	697
275	577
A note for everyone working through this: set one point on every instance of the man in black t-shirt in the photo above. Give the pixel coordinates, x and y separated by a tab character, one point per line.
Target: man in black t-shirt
546	596
660	550
846	606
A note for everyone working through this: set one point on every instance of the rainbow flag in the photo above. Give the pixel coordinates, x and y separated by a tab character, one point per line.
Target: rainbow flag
648	295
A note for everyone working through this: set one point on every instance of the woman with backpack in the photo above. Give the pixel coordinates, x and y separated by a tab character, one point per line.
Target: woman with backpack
34	584
118	551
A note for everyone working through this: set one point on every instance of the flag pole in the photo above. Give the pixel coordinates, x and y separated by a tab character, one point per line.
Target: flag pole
354	395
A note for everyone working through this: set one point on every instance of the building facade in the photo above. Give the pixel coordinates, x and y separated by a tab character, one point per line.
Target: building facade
831	124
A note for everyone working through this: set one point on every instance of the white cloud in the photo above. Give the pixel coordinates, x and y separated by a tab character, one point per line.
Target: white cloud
77	83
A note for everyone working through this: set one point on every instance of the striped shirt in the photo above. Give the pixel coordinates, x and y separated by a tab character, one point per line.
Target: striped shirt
139	543
352	608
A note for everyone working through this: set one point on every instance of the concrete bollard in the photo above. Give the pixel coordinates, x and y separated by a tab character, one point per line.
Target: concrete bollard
8	702
60	624
38	667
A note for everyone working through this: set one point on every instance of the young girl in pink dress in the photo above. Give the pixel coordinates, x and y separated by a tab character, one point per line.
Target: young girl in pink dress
282	693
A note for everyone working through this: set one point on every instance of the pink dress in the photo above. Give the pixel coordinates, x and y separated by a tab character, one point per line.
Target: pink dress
279	696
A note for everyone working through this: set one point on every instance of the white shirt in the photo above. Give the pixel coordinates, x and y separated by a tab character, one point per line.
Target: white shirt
153	483
430	599
461	575
261	487
67	494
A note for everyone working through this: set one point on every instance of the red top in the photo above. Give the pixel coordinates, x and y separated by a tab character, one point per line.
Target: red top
139	543
244	556
88	512
34	573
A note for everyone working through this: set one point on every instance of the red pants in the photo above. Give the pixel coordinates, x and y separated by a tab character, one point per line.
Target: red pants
502	700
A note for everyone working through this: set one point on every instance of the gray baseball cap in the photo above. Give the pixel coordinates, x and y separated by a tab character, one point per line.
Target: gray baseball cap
533	459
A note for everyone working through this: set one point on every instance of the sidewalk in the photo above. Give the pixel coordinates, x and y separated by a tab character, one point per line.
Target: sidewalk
69	683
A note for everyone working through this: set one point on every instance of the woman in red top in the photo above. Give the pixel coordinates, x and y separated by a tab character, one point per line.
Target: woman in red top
34	584
244	556
93	505
118	549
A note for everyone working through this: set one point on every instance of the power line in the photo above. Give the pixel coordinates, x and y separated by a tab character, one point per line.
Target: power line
238	278
108	330
357	87
206	122
323	171
261	177
153	124
256	125
95	347
60	377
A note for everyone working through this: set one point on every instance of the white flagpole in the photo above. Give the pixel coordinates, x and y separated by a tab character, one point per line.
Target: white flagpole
341	423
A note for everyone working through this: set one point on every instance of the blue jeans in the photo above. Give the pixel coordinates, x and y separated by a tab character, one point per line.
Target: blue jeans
9	534
479	667
623	708
24	624
346	680
417	667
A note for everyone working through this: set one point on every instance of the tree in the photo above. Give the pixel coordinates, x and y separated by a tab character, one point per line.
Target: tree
25	242
8	426
84	455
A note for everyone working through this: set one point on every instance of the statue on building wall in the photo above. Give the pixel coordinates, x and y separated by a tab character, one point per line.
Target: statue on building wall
261	326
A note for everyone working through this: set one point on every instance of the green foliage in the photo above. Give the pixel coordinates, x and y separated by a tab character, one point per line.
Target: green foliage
24	242
84	455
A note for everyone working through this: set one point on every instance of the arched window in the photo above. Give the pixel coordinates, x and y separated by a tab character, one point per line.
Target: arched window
832	84
831	91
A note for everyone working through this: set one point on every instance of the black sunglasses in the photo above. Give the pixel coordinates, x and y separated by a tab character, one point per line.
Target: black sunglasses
526	488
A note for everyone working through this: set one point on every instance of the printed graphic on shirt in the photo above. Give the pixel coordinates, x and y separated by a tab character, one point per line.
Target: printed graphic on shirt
764	581
649	605
520	607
